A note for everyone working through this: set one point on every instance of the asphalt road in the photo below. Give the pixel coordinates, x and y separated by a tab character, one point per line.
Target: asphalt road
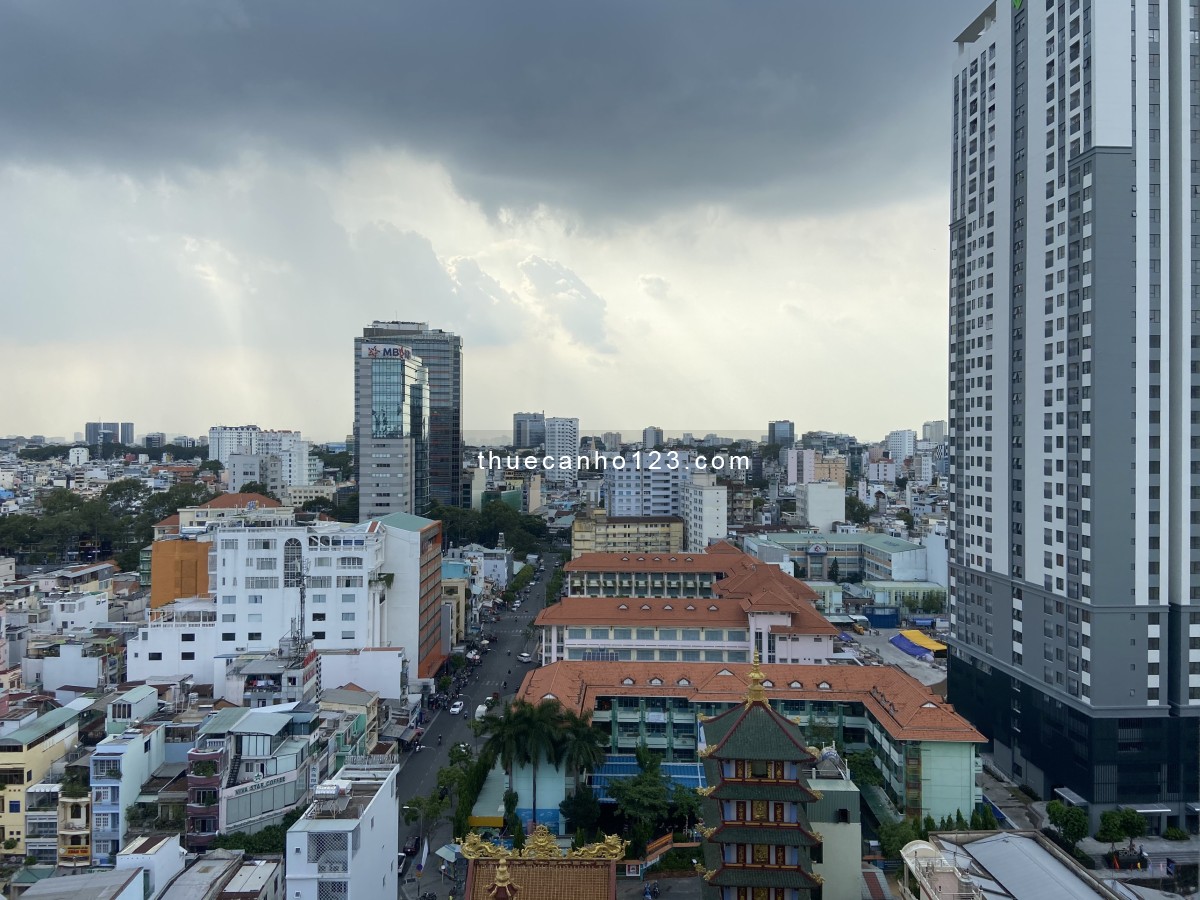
418	771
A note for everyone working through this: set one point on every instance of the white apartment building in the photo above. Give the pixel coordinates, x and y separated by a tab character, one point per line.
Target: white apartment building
901	444
934	431
1074	553
288	447
223	441
368	585
821	503
346	844
651	437
704	506
562	440
181	638
120	765
78	456
638	490
257	468
84	610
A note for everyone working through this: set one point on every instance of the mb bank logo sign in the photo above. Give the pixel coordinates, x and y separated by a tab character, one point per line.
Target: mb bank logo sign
385	351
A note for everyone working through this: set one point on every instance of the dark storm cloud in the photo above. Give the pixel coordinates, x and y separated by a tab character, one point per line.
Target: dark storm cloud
614	108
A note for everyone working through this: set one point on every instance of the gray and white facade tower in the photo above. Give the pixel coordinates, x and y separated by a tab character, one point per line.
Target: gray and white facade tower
1074	286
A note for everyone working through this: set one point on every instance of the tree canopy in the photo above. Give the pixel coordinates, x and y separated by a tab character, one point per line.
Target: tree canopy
523	533
115	525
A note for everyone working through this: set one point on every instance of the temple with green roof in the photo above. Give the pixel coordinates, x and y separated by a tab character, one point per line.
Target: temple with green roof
758	841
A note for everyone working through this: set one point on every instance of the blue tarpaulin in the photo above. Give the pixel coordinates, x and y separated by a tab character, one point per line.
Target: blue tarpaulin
900	642
847	637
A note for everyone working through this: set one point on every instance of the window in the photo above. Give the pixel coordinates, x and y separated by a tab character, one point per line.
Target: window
187	654
254	636
228	636
347	635
347	617
187	637
155	657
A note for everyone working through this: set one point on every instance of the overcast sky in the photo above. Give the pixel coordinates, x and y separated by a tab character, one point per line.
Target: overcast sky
700	215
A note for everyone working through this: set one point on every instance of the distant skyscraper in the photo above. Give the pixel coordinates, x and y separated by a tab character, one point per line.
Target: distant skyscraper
102	432
781	433
652	437
441	354
391	428
612	440
127	434
529	429
562	440
155	439
934	431
1075	468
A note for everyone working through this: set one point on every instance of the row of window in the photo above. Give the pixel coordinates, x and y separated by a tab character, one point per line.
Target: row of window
653	634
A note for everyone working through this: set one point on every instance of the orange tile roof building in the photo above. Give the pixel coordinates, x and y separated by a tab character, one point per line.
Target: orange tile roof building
924	750
719	606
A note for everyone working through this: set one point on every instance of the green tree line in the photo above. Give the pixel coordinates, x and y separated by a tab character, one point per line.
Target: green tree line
115	525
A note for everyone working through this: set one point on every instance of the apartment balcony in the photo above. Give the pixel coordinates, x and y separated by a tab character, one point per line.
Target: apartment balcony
78	825
202	809
333	864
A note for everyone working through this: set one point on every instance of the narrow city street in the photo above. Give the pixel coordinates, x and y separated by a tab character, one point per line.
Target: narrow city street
498	672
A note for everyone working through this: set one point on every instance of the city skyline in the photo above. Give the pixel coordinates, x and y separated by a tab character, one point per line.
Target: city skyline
562	223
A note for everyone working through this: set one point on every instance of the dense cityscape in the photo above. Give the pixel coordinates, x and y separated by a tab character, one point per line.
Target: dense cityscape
955	659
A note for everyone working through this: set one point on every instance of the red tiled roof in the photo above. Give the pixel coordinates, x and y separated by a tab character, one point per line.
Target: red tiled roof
903	706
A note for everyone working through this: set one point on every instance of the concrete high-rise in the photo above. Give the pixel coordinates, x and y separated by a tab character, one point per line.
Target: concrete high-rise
391	428
562	444
441	353
1074	551
934	431
652	437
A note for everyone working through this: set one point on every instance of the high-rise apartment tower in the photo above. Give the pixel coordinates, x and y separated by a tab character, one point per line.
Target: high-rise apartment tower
1074	553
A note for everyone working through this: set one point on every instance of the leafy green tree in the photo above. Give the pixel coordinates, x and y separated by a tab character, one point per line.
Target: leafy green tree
1133	825
863	770
927	825
210	465
906	517
893	836
581	809
834	572
644	799
257	487
685	804
856	511
429	811
1110	829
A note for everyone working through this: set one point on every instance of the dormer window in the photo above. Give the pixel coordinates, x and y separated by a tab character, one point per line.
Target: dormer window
823	686
683	681
626	681
668	606
796	684
768	684
690	608
712	608
646	606
656	681
623	606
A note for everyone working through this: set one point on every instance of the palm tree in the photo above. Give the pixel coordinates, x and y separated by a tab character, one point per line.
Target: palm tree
503	739
583	743
540	728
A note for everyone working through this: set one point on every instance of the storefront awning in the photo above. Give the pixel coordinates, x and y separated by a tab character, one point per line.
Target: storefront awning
1072	798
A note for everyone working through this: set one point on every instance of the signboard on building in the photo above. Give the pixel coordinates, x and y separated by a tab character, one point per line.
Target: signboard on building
385	351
